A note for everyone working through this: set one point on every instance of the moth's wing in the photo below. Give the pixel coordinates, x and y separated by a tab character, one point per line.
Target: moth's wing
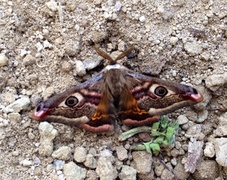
146	98
84	106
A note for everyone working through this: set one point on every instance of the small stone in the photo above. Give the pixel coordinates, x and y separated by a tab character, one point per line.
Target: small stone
215	81
121	153
195	131
59	164
205	55
167	174
173	40
220	145
52	5
3	60
14	118
39	46
26	163
207	169
66	66
79	69
90	161
62	153
47	135
143	161
91	175
90	64
80	154
28	60
72	171
202	116
180	172
47	44
18	105
182	119
118	5
127	172
105	169
209	150
193	48
142	18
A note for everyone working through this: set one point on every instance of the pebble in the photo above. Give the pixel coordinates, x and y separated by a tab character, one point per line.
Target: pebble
52	5
195	131
18	105
3	60
209	150
207	169
221	129
180	172
28	60
66	66
47	44
63	153
80	154
202	116
26	163
220	145
173	40
142	18
90	64
166	174
79	69
193	48
59	164
121	153
47	135
215	81
105	169
90	161
72	171
14	118
182	119
143	161
39	46
127	172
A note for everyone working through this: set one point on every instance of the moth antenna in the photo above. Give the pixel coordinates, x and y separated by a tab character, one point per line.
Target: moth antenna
125	53
104	54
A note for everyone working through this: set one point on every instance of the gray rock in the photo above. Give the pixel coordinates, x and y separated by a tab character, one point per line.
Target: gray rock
195	131
63	153
90	161
215	81
209	150
180	172
74	172
166	174
220	145
47	134
143	161
193	48
79	69
222	126
18	105
59	164
3	60
26	163
14	118
127	173
182	119
92	63
80	154
29	60
207	170
105	169
121	153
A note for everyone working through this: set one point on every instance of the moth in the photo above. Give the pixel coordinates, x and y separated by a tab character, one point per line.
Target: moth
116	93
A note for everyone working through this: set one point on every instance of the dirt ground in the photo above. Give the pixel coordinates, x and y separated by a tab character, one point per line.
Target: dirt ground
176	40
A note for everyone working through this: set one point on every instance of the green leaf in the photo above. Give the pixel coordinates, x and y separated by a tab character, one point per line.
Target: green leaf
147	147
155	148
